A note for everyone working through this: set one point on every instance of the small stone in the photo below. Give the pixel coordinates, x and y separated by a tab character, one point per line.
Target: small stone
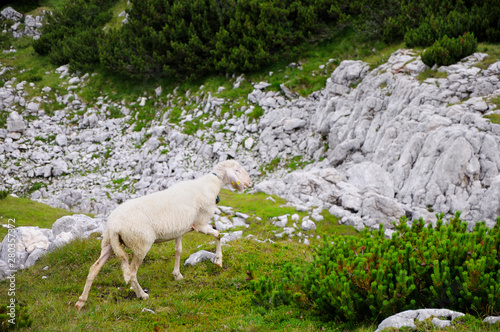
307	224
198	257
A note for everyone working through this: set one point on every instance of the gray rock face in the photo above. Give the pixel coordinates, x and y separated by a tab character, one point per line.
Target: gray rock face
79	225
398	146
10	13
492	319
373	144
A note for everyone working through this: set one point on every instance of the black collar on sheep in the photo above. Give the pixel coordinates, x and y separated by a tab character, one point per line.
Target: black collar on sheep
217	200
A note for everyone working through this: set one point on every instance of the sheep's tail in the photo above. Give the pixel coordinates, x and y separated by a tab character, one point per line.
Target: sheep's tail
105	239
114	240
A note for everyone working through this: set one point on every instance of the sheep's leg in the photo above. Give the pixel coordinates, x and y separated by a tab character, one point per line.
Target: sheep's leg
106	252
207	229
134	266
218	252
178	252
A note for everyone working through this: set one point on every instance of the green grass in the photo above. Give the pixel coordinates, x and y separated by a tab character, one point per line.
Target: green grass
26	212
116	21
431	73
494	118
209	298
493	51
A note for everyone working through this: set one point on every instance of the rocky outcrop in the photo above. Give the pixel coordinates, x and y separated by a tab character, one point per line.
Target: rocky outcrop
374	144
22	25
395	145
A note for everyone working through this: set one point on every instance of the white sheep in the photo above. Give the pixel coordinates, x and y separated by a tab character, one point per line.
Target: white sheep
164	216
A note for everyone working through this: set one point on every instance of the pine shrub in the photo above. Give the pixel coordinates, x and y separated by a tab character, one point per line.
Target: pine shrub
72	34
3	194
447	51
186	38
20	319
373	277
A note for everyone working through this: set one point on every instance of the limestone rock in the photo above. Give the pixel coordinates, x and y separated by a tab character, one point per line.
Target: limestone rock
407	318
198	257
307	224
492	319
10	13
15	122
232	236
79	225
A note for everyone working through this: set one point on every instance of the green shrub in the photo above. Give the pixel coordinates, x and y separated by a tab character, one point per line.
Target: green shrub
447	51
72	34
196	38
4	41
3	194
436	27
373	277
18	319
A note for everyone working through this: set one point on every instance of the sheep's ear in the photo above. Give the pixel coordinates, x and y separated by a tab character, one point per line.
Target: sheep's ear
234	180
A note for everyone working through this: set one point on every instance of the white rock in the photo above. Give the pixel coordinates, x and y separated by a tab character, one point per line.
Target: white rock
15	122
440	323
33	107
307	224
74	80
59	167
158	91
492	319
78	226
198	257
61	140
261	85
291	124
249	143
233	236
282	221
223	224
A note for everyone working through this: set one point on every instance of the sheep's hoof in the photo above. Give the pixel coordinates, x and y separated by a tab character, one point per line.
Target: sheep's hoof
79	304
218	261
178	276
145	296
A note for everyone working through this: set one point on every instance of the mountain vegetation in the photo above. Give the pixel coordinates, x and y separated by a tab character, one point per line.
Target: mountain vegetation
190	39
270	286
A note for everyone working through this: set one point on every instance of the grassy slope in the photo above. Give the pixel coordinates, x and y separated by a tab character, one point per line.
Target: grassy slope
208	298
26	212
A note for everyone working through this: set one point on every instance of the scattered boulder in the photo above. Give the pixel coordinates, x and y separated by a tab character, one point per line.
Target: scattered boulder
198	257
30	243
15	122
492	319
407	318
10	13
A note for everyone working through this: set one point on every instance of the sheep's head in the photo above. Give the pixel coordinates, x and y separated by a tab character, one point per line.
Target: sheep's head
234	174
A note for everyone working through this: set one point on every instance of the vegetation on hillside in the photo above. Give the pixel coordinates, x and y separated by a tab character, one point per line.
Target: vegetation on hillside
190	39
251	269
201	301
370	276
